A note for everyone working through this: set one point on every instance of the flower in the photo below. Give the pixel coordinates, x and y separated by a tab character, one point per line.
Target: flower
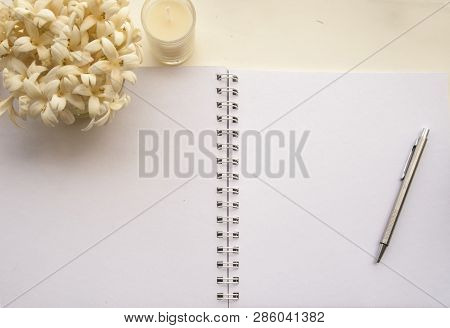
114	64
62	59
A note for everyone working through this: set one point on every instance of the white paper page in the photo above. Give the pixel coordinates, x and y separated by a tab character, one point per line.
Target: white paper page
80	228
310	242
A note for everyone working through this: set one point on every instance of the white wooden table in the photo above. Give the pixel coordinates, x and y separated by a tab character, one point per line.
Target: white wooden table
320	35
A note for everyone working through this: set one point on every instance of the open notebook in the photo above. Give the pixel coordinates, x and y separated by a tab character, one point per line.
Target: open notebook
79	227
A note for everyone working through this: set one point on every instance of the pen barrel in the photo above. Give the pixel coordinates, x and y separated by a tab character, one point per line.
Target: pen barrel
398	205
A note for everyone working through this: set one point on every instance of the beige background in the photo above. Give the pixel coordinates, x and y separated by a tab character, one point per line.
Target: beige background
319	35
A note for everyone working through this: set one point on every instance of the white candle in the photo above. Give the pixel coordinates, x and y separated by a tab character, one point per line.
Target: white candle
170	27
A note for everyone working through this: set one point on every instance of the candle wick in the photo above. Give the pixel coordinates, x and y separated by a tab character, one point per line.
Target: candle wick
169	14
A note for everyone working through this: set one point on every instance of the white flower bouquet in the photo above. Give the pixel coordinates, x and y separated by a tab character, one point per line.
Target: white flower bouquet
64	59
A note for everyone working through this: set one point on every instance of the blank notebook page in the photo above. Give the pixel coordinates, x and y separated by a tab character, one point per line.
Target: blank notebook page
79	228
312	241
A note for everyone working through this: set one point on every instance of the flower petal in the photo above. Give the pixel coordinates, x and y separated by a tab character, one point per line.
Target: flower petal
36	107
130	76
93	46
94	106
75	37
16	65
48	117
57	25
130	60
104	119
100	67
31	89
119	38
120	17
41	4
88	22
109	49
89	126
11	81
88	80
59	51
58	103
6	105
33	68
24	104
44	16
51	88
67	70
4	48
82	90
23	44
82	58
116	79
67	117
43	53
118	104
76	101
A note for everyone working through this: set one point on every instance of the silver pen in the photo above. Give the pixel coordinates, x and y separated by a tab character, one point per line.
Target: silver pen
407	176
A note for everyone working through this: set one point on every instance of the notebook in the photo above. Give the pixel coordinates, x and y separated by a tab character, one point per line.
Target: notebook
232	188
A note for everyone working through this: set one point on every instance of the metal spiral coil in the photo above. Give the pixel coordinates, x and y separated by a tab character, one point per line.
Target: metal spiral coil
228	146
228	76
227	219
222	118
227	296
227	104
229	90
227	265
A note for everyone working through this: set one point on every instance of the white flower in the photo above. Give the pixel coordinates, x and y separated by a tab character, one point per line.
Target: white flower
4	48
24	104
67	117
102	27
93	94
68	84
64	58
89	80
43	17
6	105
12	81
115	65
59	50
48	116
23	44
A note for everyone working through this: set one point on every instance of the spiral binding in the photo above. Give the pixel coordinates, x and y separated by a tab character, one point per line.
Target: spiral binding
222	204
222	118
228	250
228	161
227	145
227	280
228	76
230	265
228	176
227	234
221	190
228	296
227	219
227	104
234	133
228	90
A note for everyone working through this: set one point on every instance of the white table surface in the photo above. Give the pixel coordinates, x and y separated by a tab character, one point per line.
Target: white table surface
319	35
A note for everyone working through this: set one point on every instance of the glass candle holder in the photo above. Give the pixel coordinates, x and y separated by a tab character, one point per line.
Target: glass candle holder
170	28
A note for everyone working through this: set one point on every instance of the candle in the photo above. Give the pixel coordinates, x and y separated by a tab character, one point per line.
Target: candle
170	27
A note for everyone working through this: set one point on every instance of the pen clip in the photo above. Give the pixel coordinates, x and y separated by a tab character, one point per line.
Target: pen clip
408	161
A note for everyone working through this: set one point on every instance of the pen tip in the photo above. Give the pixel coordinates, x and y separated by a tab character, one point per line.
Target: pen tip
381	252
